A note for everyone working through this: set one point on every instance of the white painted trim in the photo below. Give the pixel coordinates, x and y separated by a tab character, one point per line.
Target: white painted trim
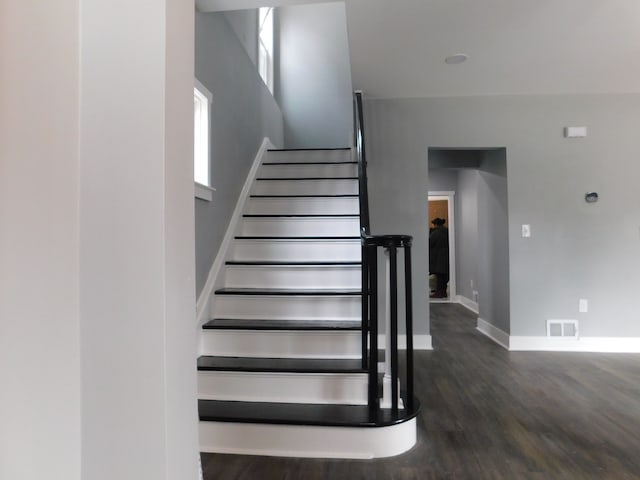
468	303
281	344
451	227
420	342
307	441
571	344
203	100
516	343
202	305
284	387
203	192
494	333
441	193
204	90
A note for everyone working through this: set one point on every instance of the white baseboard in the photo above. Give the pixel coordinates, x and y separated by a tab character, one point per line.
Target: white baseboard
202	305
494	333
420	342
583	344
307	441
468	303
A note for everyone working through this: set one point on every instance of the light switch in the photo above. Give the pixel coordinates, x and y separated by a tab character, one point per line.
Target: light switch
526	230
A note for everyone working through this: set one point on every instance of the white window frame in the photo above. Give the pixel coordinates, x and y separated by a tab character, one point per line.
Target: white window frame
266	45
202	100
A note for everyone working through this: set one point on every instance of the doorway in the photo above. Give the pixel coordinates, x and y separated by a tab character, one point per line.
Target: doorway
479	256
442	215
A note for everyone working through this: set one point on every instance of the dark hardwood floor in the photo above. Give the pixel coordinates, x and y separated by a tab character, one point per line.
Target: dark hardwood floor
492	414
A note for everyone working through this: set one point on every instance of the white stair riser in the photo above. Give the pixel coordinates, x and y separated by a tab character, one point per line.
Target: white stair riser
345	388
300	226
307	441
309	156
317	206
282	344
296	250
310	170
305	187
287	308
325	277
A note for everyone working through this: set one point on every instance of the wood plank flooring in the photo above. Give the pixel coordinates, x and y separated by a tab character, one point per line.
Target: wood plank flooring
492	414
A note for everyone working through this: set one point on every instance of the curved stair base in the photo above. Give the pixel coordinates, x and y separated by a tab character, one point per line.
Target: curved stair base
307	441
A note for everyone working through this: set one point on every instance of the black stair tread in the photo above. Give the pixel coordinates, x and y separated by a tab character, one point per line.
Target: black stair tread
288	291
295	264
244	237
270	324
330	415
307	178
343	162
302	215
290	365
342	195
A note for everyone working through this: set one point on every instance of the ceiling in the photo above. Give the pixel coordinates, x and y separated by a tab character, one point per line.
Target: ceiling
398	47
224	5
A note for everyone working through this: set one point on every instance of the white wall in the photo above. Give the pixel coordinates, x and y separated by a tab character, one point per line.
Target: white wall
137	302
313	84
39	318
97	339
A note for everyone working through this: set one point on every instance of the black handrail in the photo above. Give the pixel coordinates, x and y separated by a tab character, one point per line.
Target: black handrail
362	162
370	246
363	195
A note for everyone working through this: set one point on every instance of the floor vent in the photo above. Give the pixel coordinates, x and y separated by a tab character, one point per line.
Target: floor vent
562	329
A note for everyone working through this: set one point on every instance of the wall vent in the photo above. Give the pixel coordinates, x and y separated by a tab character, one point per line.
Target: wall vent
562	328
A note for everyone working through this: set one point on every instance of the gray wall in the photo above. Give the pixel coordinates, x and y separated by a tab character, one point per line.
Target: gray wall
466	212
244	24
442	179
577	250
313	83
493	240
243	113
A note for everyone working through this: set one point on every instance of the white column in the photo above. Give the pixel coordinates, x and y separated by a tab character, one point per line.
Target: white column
137	300
40	432
386	379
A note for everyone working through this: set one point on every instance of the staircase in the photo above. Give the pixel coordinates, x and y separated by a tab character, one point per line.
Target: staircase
281	371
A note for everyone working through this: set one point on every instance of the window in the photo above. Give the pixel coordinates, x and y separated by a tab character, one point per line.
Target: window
265	46
201	141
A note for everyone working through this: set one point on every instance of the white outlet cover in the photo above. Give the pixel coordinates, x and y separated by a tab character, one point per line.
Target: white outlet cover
526	230
583	305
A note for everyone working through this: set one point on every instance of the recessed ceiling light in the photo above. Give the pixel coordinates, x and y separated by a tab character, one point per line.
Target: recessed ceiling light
455	59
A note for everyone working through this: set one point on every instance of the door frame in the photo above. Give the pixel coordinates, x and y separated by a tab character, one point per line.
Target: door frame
449	196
